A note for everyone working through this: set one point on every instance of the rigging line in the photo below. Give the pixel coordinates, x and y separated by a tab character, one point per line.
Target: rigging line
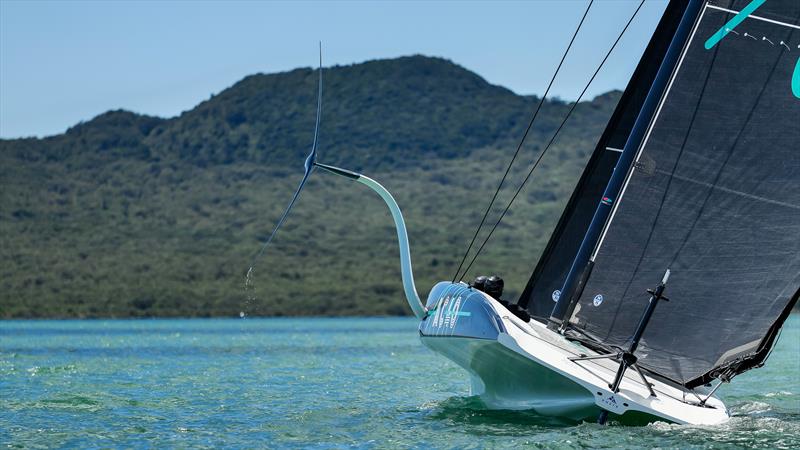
522	141
550	143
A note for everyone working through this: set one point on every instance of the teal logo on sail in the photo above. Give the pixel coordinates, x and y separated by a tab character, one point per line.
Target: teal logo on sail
733	23
738	19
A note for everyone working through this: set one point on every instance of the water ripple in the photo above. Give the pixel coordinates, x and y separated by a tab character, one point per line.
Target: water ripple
316	383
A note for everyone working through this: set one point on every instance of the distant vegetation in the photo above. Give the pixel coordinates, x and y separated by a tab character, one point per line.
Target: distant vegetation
129	215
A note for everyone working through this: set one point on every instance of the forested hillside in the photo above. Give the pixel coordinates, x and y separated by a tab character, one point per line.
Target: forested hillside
130	215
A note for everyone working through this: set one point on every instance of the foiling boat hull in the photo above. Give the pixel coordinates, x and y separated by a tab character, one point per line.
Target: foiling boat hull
504	379
520	365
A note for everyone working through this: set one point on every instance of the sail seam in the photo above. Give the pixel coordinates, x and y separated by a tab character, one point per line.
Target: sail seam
730	191
751	16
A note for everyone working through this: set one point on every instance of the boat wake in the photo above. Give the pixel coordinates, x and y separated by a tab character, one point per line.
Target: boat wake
472	411
754	425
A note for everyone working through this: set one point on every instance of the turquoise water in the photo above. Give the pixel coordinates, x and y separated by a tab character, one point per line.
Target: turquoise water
315	383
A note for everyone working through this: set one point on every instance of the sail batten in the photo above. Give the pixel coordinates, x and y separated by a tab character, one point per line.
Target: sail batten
753	16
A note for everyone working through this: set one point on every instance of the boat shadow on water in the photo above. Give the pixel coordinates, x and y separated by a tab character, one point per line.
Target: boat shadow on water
471	411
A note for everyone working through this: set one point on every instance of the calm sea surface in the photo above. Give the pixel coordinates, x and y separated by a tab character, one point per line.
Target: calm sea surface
316	383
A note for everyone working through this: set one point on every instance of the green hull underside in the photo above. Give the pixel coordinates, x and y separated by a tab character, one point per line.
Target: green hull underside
504	379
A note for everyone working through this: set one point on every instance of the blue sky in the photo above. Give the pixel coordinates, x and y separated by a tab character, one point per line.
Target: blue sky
66	61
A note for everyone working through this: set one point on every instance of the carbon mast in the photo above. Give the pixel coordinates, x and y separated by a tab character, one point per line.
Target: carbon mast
544	284
582	265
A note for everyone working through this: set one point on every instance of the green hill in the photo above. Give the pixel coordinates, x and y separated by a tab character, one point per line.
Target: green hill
130	215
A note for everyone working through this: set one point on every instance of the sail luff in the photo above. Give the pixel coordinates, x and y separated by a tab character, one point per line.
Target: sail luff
581	266
554	262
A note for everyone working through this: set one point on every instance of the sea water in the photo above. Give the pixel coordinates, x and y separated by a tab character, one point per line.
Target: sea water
313	383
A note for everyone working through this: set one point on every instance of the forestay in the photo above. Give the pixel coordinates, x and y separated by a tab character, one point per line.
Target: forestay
714	196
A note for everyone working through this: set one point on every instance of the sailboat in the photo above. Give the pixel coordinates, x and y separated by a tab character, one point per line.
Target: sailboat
677	257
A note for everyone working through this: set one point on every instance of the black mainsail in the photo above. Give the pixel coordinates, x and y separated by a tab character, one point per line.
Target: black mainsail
554	263
714	196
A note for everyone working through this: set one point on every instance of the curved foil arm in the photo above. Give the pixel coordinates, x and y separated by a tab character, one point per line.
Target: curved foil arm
406	271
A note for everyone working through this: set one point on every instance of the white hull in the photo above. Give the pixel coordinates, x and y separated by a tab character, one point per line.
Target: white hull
517	365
